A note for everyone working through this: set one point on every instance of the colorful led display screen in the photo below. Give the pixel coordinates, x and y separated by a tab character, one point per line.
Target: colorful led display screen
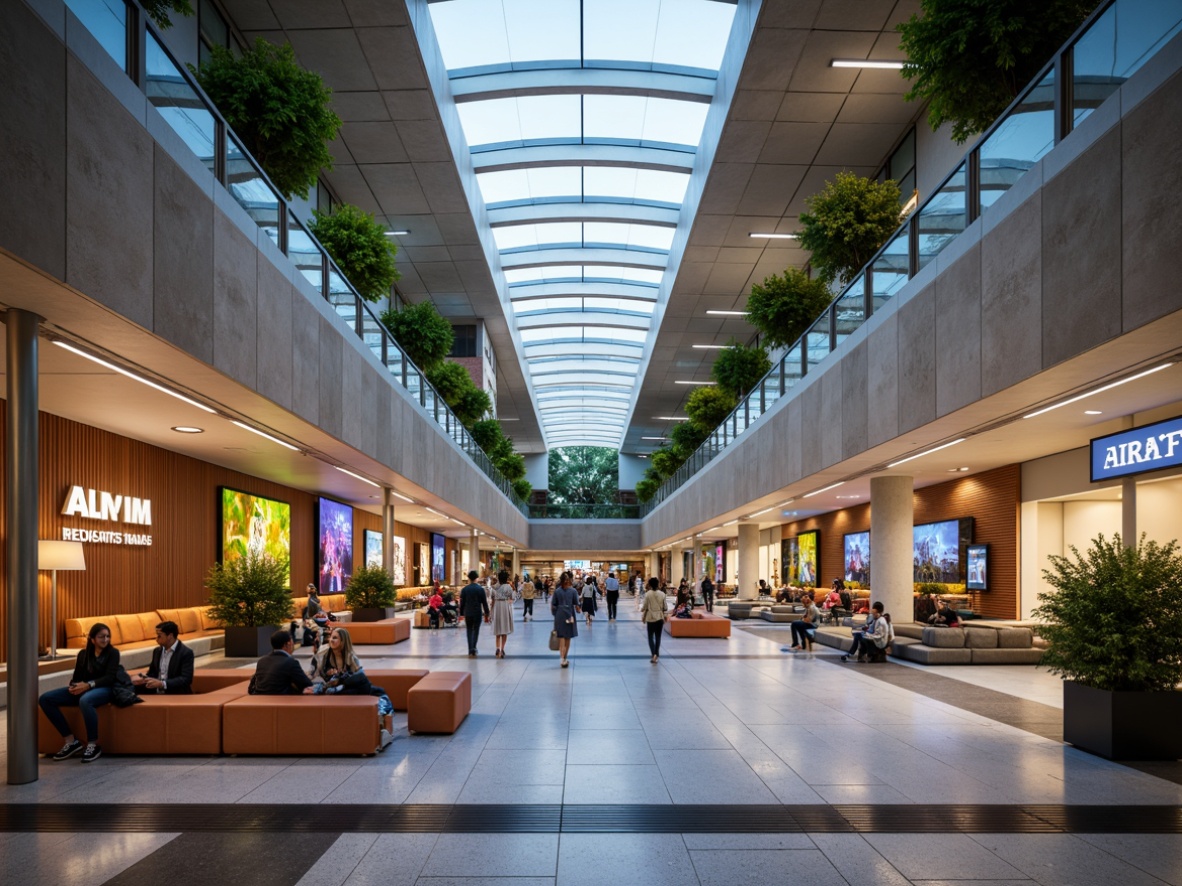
856	548
254	524
334	547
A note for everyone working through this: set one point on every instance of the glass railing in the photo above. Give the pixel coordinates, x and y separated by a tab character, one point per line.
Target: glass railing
584	512
1117	39
122	24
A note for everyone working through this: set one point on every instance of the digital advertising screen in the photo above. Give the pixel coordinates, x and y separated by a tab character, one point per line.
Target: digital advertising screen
334	547
789	560
254	524
719	562
977	567
437	549
938	550
707	563
399	571
808	557
856	549
373	548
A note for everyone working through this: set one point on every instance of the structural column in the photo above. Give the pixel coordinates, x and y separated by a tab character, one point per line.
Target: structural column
748	572
891	522
388	529
473	552
22	473
696	561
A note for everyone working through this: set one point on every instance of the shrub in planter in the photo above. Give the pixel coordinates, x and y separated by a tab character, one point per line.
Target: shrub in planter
646	488
783	308
360	247
281	112
707	407
1113	625
453	383
369	593
970	58
847	223
422	332
523	488
738	368
250	597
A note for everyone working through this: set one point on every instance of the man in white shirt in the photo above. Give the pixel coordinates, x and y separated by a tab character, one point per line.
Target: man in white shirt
611	589
171	670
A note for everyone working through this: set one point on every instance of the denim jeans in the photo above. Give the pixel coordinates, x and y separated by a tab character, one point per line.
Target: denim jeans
527	608
472	623
55	699
654	636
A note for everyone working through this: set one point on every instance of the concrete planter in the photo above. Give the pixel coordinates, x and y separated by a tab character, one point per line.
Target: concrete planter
249	642
1123	725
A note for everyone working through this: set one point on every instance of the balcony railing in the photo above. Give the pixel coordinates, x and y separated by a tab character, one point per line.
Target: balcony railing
584	512
1115	41
130	37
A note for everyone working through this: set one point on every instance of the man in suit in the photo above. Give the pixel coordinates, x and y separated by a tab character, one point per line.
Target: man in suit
171	670
279	673
474	608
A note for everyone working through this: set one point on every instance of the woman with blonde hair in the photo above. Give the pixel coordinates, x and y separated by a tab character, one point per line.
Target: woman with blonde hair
336	670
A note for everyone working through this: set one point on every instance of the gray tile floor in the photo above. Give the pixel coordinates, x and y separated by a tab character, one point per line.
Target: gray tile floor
715	722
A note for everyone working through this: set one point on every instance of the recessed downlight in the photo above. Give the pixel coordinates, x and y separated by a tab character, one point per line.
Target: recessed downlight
182	429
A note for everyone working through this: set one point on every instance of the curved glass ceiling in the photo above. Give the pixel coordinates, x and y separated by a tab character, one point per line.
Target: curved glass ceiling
583	278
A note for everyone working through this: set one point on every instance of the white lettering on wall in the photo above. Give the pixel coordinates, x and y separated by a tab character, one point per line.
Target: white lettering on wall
97	505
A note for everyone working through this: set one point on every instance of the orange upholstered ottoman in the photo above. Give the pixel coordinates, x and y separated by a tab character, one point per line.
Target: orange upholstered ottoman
704	625
439	702
300	725
379	633
395	682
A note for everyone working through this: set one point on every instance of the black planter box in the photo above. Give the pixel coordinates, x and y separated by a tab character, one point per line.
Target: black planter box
374	614
249	642
1123	725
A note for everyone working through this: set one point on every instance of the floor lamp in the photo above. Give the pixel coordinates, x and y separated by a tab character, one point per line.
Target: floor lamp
52	556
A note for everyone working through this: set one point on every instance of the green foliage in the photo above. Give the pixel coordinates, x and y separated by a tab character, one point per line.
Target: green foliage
281	112
370	587
783	308
665	461
158	11
360	247
249	591
587	475
453	383
487	433
491	438
1114	619
646	489
523	489
738	368
707	407
970	58
422	332
687	437
847	223
512	465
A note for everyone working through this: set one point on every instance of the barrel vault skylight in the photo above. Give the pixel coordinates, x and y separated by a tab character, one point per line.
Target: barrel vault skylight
583	118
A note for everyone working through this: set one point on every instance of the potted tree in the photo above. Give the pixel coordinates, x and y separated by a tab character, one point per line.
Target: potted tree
370	594
1113	625
738	368
847	222
250	596
360	247
783	308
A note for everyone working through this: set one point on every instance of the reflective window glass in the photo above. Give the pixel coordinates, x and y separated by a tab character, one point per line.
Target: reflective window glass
533	236
477	33
107	22
521	120
635	185
551	273
682	33
641	120
634	236
540	185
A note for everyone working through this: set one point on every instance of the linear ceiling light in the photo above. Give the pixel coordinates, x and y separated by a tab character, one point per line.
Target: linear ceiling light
1115	384
925	452
695	382
756	235
357	477
670	418
885	64
396	233
731	523
653	438
727	313
264	434
710	347
151	384
409	501
823	489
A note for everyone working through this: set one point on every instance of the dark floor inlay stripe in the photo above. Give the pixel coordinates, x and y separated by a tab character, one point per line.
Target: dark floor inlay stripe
622	818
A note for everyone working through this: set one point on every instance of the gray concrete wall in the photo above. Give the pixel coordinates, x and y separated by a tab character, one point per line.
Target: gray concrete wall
105	198
1079	253
584	535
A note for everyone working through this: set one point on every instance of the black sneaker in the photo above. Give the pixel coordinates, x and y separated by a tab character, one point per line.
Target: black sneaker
69	749
92	753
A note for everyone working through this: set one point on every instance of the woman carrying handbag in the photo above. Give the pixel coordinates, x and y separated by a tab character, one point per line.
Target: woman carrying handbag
564	605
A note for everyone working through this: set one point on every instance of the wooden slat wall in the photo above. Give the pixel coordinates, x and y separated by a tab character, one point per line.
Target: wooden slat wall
991	498
185	530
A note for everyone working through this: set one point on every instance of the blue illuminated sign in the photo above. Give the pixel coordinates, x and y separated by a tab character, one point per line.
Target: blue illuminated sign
1148	448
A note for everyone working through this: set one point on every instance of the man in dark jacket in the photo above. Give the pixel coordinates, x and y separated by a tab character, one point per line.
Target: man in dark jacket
708	593
474	608
279	673
171	670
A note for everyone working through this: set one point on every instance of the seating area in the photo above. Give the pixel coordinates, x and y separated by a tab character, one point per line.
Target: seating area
386	632
700	624
984	642
220	717
137	630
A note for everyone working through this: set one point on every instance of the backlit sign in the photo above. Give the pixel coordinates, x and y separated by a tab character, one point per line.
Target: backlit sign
1148	448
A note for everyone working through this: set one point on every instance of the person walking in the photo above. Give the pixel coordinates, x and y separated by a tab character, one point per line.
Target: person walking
502	612
611	589
653	614
528	592
473	607
587	592
564	604
708	593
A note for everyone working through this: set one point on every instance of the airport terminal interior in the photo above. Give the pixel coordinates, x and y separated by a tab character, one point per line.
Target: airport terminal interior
588	192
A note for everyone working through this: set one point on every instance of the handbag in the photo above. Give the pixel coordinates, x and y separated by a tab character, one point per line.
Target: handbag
123	692
554	641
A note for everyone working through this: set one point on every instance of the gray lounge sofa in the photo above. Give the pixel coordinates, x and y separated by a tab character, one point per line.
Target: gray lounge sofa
976	643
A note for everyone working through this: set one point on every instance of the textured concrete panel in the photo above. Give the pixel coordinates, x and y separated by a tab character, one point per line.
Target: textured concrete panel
958	334
109	199
855	403
1081	253
305	359
33	140
331	378
1151	212
792	442
829	432
917	361
183	242
235	301
274	334
1011	298
813	440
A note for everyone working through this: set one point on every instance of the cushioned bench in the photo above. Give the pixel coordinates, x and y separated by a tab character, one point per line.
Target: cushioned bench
998	643
301	725
137	630
439	702
395	682
702	624
781	614
386	632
